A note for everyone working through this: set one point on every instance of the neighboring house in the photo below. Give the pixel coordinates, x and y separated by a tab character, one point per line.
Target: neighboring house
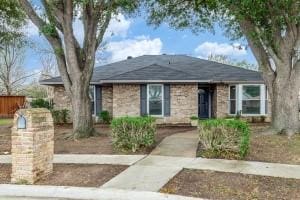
173	88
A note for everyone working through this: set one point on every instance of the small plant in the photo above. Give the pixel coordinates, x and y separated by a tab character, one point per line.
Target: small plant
60	116
194	118
105	117
133	133
222	138
41	103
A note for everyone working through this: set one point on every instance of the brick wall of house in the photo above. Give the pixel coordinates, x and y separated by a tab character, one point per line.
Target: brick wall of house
60	98
107	99
220	101
184	103
126	100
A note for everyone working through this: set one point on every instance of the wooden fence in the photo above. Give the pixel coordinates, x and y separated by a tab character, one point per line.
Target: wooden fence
10	104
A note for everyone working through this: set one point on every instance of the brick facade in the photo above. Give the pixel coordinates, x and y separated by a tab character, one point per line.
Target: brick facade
126	100
60	99
220	99
184	103
107	99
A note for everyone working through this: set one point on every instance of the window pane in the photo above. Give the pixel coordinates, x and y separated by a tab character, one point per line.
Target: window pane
251	92
155	99
232	106
251	107
232	92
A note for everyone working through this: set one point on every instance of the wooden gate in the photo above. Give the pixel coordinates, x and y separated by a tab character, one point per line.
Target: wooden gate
10	104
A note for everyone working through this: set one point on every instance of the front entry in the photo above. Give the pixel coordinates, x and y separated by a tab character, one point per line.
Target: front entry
204	102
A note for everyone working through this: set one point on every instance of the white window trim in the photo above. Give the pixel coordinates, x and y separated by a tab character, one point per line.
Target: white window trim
162	96
239	99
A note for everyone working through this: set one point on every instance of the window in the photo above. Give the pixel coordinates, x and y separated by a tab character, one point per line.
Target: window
251	99
232	99
155	99
248	99
92	97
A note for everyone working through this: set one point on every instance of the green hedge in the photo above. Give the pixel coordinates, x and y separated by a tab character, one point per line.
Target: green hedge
105	117
224	138
41	103
133	133
60	116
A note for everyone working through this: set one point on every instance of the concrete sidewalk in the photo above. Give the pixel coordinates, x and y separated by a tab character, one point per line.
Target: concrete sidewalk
88	159
32	192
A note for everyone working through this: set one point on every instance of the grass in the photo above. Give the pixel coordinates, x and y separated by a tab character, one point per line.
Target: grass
5	122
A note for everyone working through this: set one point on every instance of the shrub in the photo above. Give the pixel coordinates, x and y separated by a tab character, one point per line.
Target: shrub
105	117
41	103
221	138
60	116
133	133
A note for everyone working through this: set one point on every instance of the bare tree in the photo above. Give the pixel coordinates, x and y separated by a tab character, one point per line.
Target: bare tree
12	73
49	66
229	61
75	60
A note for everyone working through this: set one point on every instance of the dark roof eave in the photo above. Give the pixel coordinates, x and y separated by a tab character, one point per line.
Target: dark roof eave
160	81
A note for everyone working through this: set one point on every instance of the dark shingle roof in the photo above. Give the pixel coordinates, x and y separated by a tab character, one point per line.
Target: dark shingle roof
168	67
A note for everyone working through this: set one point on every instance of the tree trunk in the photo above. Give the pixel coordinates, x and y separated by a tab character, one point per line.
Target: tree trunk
285	105
81	106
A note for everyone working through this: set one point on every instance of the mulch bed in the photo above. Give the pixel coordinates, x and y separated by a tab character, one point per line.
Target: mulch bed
80	175
101	144
220	185
266	148
273	148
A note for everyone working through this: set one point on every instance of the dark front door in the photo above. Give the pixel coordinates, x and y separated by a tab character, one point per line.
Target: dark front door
203	100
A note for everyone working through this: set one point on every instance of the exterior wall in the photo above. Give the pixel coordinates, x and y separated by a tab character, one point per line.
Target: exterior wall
60	99
126	100
184	103
220	101
107	99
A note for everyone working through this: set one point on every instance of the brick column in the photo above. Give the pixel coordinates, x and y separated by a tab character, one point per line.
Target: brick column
32	145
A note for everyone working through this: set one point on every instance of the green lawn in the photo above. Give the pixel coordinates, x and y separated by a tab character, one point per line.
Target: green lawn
5	122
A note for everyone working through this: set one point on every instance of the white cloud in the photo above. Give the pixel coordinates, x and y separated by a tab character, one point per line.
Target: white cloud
118	26
138	46
213	48
30	29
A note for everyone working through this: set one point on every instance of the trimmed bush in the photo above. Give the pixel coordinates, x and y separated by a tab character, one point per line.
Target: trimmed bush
41	103
105	117
222	138
60	116
133	133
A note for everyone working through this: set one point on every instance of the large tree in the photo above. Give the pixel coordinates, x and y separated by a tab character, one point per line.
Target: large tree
75	59
12	72
11	19
272	30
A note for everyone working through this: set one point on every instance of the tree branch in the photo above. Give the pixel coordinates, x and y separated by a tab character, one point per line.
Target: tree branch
53	39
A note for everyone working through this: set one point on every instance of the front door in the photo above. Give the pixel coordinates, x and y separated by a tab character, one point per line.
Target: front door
203	101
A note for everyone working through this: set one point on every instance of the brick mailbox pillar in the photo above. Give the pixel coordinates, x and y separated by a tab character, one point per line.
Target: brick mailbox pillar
32	145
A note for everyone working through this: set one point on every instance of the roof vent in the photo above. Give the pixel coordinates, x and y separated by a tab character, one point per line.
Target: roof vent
129	57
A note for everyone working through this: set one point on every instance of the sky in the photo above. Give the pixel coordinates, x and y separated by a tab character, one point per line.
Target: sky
133	37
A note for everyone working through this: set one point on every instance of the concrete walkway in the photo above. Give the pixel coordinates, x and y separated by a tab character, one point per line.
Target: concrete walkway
32	192
181	144
154	171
